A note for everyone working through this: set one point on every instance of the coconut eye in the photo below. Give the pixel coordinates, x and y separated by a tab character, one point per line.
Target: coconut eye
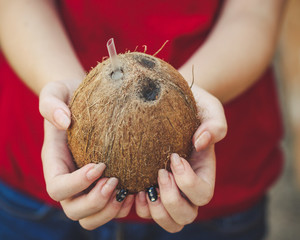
149	90
146	62
116	75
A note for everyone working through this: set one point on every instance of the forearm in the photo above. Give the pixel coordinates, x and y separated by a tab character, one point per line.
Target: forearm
35	43
239	48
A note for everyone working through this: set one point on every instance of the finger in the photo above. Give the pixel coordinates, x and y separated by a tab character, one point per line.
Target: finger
110	211
67	185
53	104
55	148
88	204
160	215
62	180
180	210
197	186
213	126
141	205
126	207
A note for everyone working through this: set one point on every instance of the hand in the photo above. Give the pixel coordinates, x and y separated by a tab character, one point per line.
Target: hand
82	195
191	184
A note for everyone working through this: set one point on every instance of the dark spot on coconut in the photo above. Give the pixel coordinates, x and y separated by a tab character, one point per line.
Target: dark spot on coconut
149	90
146	62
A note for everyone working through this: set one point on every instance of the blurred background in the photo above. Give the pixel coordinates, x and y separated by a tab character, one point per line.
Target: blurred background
284	211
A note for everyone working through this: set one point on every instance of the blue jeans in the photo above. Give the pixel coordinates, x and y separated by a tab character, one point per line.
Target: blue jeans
22	217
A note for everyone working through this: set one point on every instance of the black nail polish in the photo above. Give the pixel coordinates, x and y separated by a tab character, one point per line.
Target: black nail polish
152	194
121	195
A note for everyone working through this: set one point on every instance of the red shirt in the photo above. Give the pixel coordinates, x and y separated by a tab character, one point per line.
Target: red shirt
248	160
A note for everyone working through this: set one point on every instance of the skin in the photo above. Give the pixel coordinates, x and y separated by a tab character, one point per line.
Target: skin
239	48
53	72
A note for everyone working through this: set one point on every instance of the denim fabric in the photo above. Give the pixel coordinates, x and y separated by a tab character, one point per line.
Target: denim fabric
247	225
24	218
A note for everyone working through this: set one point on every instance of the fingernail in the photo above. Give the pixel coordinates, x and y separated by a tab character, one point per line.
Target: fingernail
129	201
176	163
61	118
121	195
163	176
95	172
142	197
109	186
152	194
202	141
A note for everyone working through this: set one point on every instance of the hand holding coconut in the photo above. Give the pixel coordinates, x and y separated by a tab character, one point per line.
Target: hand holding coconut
65	183
99	205
195	178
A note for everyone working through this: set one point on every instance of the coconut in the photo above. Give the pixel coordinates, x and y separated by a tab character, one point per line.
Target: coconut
134	122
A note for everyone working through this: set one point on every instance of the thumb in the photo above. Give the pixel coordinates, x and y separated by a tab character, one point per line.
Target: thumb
53	104
213	126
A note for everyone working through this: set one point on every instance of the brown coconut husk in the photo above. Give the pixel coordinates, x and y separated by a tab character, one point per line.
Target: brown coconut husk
132	124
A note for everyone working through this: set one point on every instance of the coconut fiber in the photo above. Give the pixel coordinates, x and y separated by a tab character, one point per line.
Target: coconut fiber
133	123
